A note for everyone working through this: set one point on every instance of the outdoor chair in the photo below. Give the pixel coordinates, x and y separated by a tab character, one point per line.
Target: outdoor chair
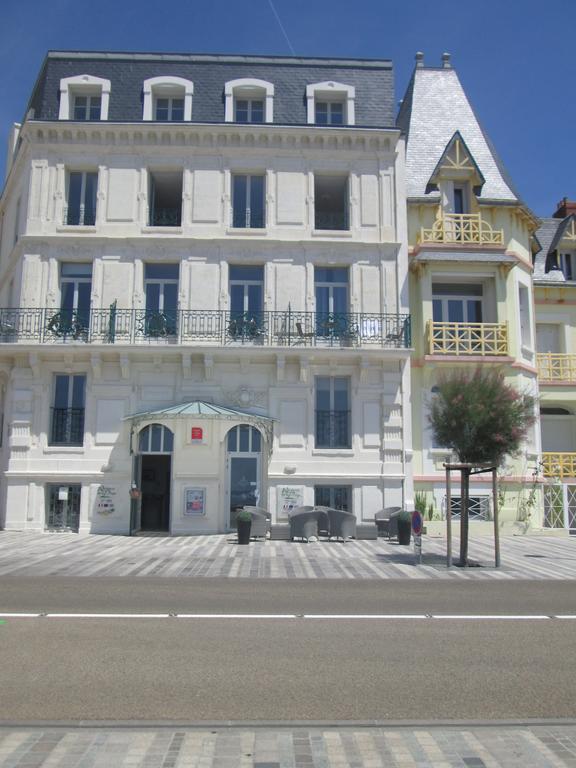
387	526
303	525
261	520
342	525
323	521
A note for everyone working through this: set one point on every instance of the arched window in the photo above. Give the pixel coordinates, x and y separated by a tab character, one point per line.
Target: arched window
244	439
168	99
330	103
155	438
248	100
84	97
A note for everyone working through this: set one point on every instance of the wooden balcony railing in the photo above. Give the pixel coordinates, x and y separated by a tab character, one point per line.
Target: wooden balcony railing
556	367
467	338
205	327
462	229
559	464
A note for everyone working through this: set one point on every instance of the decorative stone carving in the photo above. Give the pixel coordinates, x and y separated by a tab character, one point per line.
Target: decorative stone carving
245	397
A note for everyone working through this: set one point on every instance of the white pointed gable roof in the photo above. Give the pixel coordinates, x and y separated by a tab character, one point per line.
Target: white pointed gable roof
435	108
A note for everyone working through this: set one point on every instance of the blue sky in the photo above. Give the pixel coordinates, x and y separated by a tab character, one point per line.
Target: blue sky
515	58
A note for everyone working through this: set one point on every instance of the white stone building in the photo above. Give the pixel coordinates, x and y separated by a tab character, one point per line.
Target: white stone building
204	292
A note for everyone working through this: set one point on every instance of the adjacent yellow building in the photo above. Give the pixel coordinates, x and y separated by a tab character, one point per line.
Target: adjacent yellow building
555	299
469	237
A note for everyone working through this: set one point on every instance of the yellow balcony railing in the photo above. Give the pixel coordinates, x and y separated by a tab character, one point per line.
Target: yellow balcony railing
556	367
467	338
559	465
462	229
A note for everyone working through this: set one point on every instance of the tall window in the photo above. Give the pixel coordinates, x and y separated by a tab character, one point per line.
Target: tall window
165	198
161	288
246	301
75	290
525	324
331	293
331	202
461	198
568	265
333	412
455	303
82	189
248	205
87	107
67	427
17	220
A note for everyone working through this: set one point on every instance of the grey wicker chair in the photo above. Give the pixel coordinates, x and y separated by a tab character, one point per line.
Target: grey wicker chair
386	524
342	525
261	521
303	524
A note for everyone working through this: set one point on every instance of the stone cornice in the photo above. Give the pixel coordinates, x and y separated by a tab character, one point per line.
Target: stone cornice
210	136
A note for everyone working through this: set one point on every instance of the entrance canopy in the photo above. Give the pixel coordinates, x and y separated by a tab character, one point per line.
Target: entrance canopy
198	409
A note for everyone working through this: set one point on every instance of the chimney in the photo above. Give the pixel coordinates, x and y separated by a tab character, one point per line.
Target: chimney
446	61
565	208
419	59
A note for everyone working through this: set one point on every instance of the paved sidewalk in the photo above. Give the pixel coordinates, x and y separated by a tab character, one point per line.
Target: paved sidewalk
347	747
66	554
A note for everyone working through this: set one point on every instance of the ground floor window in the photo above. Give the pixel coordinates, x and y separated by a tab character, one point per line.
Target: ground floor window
335	496
63	507
478	507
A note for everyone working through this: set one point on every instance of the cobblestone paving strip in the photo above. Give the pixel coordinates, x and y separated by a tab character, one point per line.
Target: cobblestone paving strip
345	747
36	554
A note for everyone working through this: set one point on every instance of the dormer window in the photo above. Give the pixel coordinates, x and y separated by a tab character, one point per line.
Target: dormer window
330	103
248	100
84	97
168	99
329	113
460	202
170	109
248	111
87	107
568	265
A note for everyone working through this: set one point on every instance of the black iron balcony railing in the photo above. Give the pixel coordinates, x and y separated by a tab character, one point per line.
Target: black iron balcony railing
165	217
67	426
245	218
209	327
331	220
333	429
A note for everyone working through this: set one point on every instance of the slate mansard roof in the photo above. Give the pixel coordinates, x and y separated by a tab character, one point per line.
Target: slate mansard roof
547	237
434	109
372	79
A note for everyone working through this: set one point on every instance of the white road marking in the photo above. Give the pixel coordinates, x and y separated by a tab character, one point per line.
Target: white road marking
484	617
310	616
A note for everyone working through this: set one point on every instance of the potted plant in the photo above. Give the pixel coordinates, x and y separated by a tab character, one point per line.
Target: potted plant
404	527
243	525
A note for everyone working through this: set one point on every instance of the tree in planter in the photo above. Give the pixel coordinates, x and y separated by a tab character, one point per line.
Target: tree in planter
483	420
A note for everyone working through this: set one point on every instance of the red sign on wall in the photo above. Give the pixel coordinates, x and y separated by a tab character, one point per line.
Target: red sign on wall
197	434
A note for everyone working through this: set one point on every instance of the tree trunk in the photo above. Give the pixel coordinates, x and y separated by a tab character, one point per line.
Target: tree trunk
464	494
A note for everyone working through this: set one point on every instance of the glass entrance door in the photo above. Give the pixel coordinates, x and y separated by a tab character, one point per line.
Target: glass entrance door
244	451
63	508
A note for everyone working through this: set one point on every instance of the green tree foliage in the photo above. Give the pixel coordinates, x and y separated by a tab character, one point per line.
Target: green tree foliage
480	417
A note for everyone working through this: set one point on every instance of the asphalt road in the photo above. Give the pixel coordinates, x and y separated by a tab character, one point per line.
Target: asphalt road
217	669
